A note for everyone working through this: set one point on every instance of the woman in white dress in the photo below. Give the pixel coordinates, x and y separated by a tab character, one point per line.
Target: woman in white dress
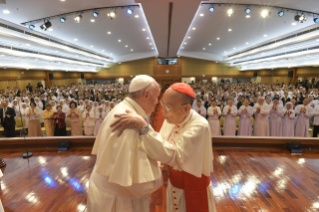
15	106
82	106
88	117
288	117
40	107
230	113
99	117
245	112
213	118
24	113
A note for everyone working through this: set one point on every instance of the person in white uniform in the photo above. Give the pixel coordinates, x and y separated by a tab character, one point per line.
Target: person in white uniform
275	118
213	118
245	112
184	143
304	113
288	116
261	124
124	175
200	109
230	113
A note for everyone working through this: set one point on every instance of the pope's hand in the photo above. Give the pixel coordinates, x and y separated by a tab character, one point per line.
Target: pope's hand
128	120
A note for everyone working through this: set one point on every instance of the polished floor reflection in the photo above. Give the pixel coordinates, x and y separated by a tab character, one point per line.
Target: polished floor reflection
242	180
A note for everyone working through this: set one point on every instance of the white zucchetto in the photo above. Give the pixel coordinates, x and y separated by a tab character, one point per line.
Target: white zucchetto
140	82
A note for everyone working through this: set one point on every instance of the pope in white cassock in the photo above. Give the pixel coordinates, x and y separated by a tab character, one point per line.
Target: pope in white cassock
261	124
184	143
304	113
124	175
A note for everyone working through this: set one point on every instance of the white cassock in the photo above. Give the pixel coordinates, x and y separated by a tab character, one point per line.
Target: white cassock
187	148
302	121
213	120
288	129
24	112
201	111
245	128
99	121
230	120
261	124
124	175
1	207
275	123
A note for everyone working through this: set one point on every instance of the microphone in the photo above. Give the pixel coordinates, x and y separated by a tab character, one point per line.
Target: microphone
27	154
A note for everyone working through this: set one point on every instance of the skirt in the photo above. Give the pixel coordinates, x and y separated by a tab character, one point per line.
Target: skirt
76	128
34	129
89	130
59	131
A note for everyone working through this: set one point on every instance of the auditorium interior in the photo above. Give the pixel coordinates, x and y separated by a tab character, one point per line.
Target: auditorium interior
61	52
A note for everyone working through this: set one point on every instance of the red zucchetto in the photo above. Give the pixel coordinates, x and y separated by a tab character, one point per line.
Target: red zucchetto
183	88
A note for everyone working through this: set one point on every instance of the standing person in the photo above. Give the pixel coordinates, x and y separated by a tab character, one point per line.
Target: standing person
261	124
88	117
245	112
230	113
275	118
304	113
124	176
74	114
24	112
47	116
184	143
34	121
99	117
316	122
59	120
288	128
7	115
213	119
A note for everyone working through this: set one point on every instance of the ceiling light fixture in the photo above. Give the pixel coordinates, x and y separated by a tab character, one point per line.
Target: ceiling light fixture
265	35
129	11
75	39
131	50
136	16
218	38
78	18
119	41
189	37
50	29
31	26
202	14
126	45
265	13
95	14
108	32
211	9
62	19
209	44
293	24
234	48
316	20
193	28
147	38
230	12
247	16
281	13
247	10
6	11
111	15
300	18
247	43
47	24
143	29
229	30
92	20
204	48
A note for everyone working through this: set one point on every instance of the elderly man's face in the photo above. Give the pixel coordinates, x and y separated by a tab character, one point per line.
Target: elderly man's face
260	101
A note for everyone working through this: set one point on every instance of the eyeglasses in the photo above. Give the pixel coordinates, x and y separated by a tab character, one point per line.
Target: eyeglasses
168	108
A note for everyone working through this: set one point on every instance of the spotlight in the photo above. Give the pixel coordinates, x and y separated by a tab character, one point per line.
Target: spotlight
46	25
230	12
211	9
281	13
31	26
129	11
316	20
95	14
78	18
62	19
265	13
248	10
300	18
112	15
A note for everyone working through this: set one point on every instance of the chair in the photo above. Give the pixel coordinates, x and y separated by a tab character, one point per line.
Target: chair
20	122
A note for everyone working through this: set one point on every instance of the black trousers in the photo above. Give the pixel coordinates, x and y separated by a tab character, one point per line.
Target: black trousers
9	131
59	131
315	130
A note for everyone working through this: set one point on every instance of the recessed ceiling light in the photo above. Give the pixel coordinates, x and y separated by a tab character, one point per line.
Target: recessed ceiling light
229	30
102	50
92	20
247	43
189	37
28	44
62	0
265	35
209	44
92	46
147	38
75	39
202	14
234	48
193	28
218	38
182	47
111	54
293	23
317	40
152	48
119	41
109	32
225	52
126	45
143	29
136	16
151	44
204	48
6	11
50	29
56	51
131	50
247	16
185	43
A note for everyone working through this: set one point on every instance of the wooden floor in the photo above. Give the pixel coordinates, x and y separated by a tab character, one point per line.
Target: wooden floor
242	181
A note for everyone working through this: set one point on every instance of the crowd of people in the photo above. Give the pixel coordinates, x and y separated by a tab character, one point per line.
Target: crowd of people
245	109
